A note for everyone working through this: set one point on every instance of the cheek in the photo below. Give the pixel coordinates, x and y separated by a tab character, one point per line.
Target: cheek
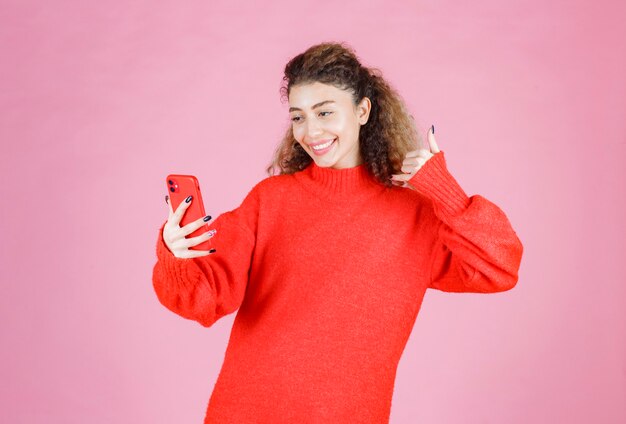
343	125
297	132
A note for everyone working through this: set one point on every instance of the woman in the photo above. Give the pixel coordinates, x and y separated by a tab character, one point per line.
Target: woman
328	261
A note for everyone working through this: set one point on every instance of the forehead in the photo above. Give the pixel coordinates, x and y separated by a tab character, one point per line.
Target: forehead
304	96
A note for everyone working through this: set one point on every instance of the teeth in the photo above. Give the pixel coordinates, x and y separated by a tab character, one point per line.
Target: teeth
323	146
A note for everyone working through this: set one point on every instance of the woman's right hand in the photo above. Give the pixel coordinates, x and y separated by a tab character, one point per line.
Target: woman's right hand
174	234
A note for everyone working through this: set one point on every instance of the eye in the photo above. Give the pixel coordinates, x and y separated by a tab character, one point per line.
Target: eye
297	118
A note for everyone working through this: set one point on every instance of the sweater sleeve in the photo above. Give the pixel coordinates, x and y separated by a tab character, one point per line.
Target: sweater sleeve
476	249
206	288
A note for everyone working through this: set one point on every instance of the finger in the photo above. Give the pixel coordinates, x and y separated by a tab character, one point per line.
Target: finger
411	161
400	183
418	153
416	162
431	140
415	165
193	226
194	241
169	205
180	210
409	169
401	177
197	253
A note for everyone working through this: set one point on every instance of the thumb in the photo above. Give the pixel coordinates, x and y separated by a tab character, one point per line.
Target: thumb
431	140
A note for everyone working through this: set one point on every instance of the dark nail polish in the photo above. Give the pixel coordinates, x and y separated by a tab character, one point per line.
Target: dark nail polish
212	250
188	199
206	218
433	128
167	198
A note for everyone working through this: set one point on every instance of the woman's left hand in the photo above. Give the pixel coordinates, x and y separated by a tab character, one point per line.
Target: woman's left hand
414	160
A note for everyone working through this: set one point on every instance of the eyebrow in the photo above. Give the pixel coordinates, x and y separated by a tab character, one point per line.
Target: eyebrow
316	105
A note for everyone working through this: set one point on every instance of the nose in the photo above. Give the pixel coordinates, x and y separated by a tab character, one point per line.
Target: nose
313	129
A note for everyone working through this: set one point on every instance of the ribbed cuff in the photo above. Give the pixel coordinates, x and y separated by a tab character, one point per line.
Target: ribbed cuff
435	182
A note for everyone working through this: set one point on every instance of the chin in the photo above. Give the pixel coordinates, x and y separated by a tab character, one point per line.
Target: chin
324	163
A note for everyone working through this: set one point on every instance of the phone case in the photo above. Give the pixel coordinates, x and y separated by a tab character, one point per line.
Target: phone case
179	187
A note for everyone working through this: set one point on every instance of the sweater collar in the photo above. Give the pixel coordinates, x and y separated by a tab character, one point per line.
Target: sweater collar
347	183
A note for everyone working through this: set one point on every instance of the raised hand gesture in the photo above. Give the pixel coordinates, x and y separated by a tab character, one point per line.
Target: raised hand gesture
174	234
415	159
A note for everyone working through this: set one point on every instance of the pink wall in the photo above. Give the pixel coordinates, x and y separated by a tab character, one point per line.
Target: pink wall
100	100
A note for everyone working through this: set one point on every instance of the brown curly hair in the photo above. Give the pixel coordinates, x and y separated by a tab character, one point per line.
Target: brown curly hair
390	131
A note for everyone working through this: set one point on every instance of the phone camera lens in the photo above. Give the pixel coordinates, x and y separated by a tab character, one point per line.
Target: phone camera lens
170	182
172	189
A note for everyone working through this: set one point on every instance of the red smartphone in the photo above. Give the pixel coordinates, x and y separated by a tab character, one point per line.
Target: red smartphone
179	188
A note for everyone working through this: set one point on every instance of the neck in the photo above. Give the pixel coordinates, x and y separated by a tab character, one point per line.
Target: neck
340	184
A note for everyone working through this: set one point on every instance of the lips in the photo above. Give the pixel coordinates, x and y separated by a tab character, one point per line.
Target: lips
321	142
325	149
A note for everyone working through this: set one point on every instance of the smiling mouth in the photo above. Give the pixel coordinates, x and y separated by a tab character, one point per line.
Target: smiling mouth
323	146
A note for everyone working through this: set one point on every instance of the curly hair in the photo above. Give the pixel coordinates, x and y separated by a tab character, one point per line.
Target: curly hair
390	131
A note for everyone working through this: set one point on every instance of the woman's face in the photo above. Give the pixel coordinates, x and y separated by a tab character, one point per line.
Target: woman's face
321	113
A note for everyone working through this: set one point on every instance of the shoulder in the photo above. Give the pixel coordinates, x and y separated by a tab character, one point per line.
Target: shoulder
273	185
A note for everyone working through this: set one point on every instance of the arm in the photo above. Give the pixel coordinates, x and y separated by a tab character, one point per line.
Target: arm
475	248
206	288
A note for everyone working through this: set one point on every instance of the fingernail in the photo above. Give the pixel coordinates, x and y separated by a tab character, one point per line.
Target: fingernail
212	250
206	218
166	198
188	199
432	129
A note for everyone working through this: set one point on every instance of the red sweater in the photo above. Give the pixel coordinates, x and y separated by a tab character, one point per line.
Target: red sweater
328	269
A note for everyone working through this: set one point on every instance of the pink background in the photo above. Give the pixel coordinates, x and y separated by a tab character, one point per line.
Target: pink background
100	100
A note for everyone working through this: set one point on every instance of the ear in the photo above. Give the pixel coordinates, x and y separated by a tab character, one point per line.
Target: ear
363	110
